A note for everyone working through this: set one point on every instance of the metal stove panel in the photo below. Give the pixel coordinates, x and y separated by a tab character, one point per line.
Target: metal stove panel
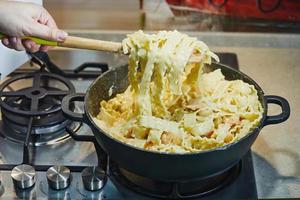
68	153
41	190
10	152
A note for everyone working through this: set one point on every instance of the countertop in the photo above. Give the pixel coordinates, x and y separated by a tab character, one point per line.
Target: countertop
272	60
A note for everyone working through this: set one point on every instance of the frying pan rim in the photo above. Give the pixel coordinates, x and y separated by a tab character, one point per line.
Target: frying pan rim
255	130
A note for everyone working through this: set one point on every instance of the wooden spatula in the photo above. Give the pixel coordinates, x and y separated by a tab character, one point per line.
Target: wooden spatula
90	44
79	43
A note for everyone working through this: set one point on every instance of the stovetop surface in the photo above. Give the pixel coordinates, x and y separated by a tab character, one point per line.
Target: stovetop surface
78	153
242	188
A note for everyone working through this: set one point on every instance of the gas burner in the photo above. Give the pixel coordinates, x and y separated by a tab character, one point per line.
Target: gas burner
37	107
188	189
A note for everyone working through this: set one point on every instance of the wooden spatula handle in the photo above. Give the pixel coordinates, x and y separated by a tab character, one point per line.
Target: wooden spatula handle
91	44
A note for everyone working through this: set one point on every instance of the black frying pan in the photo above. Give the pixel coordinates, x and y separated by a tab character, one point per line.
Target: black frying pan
165	166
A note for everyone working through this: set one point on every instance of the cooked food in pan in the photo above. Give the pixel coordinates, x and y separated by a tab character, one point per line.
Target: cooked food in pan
171	105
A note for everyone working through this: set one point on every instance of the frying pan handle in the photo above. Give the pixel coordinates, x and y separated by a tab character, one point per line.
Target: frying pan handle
69	114
285	107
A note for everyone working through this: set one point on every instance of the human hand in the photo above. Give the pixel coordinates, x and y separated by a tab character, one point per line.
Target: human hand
27	19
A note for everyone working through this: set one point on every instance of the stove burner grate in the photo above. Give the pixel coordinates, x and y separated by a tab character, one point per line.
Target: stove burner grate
35	94
189	189
37	107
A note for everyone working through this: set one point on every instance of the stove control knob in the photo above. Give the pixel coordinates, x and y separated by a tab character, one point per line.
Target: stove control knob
93	178
58	177
23	176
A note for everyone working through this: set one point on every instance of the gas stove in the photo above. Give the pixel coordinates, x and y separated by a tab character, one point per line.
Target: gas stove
45	156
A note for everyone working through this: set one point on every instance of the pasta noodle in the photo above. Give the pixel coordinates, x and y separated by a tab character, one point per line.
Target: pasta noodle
171	105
